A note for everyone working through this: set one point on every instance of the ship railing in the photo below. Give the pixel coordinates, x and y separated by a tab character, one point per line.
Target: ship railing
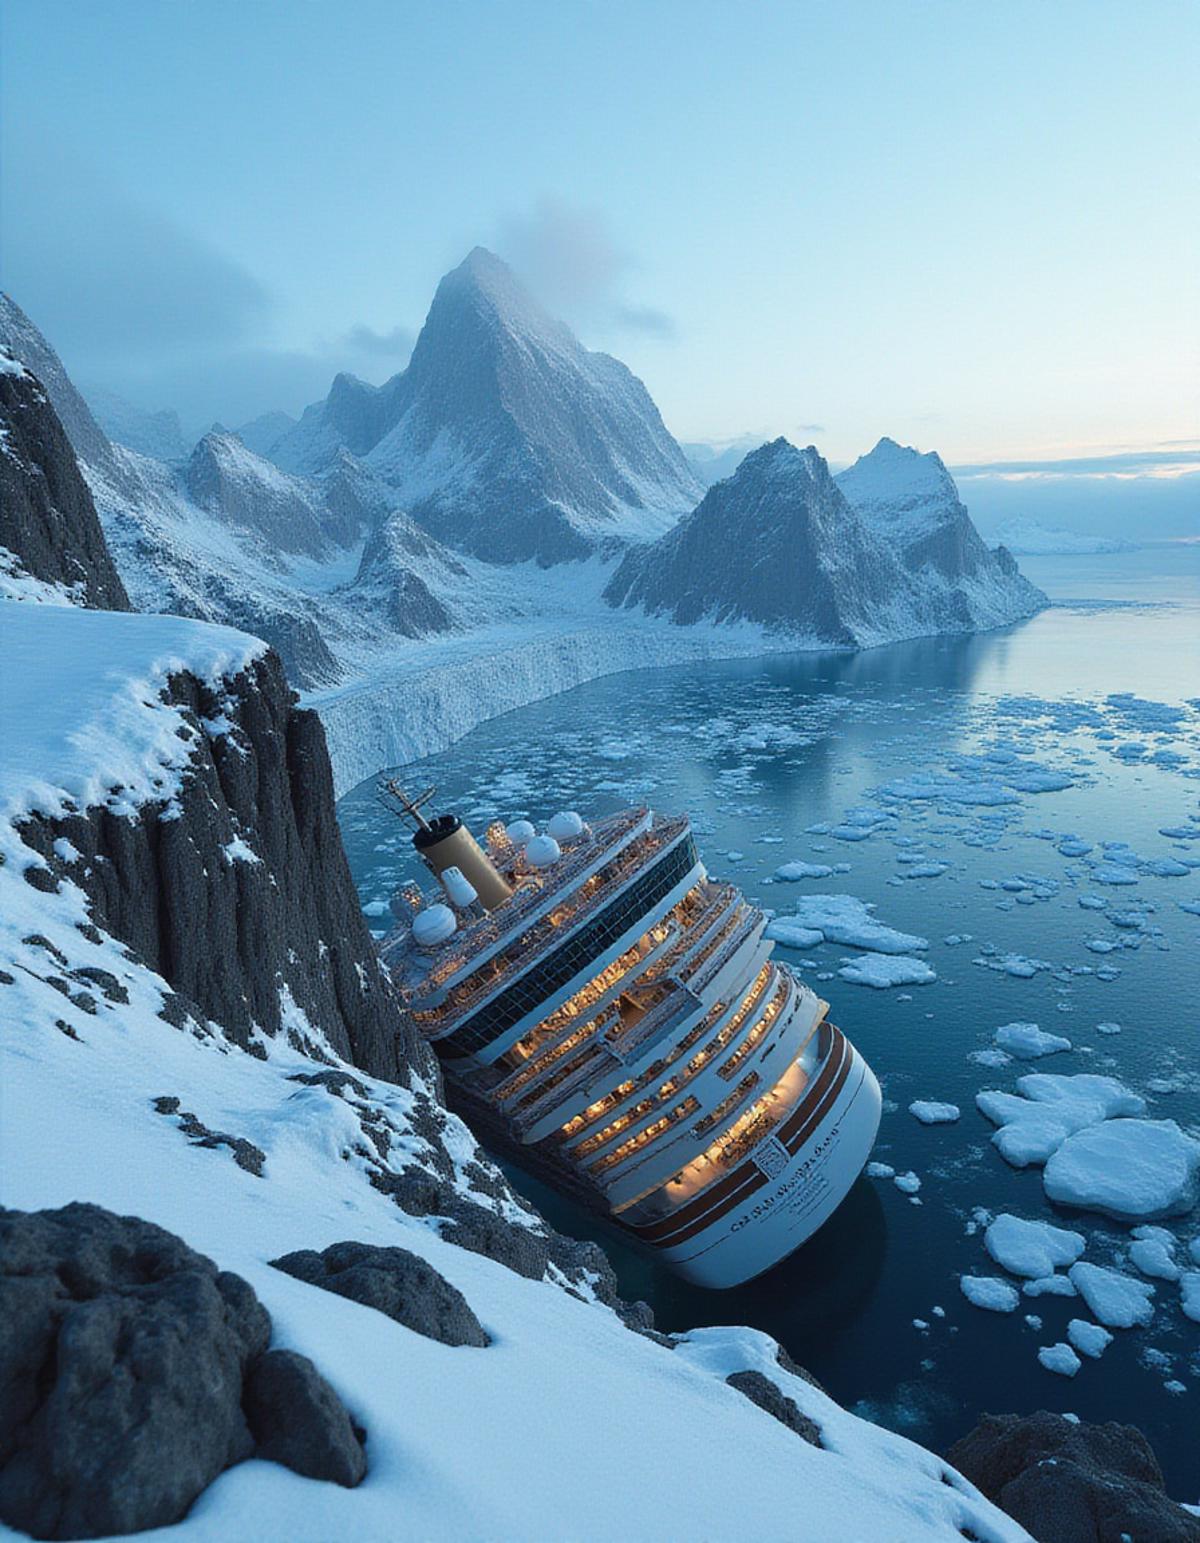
716	961
582	1078
677	1004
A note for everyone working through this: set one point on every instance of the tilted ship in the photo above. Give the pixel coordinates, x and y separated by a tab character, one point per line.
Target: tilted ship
611	1018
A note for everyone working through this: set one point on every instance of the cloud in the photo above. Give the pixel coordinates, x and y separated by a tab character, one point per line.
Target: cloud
396	344
1153	462
809	428
569	258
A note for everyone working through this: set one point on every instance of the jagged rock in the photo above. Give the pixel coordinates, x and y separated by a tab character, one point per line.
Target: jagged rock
762	1391
399	1284
391	582
47	518
245	1154
240	488
133	1372
235	937
504	436
1069	1482
298	1420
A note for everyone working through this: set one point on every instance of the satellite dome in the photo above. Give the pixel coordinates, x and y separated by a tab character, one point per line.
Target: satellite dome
542	851
460	889
565	825
519	832
433	925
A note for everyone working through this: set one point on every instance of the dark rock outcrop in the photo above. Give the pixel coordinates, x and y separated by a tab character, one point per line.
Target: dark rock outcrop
126	1360
505	436
242	900
47	517
399	1284
297	1420
1069	1482
762	1391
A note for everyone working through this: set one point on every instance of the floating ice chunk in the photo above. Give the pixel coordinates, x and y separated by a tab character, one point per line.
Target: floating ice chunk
1074	848
1092	902
1153	1257
1027	1042
930	870
1165	868
930	1112
1049	1109
885	970
1189	1299
1033	1321
1194	1249
1174	1386
1059	1358
1108	1028
376	908
792	872
1118	1301
1019	965
1088	1338
1031	1248
990	1292
1049	1286
990	1057
908	1183
951	790
792	935
847	920
1192	907
880	1171
1129	1169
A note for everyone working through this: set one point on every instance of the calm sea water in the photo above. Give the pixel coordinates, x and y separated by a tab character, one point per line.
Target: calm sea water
758	752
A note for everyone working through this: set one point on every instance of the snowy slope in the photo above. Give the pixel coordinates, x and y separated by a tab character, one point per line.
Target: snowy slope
610	1415
149	433
505	436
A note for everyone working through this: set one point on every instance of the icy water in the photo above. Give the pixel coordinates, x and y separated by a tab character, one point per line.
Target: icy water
1098	700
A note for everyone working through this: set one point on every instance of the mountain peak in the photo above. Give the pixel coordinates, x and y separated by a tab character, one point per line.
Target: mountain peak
485	287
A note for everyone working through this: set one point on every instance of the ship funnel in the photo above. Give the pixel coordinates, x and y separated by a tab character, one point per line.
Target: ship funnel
444	842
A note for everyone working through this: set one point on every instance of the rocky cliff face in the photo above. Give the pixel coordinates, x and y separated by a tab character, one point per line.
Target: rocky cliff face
504	436
399	563
781	544
236	889
48	521
229	481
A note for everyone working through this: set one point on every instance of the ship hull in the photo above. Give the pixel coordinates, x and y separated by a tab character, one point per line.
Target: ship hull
763	1224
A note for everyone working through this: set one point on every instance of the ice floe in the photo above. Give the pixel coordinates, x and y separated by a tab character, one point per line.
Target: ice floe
1090	1339
930	1112
1047	1108
1189	1294
990	1292
1031	1248
1028	1042
793	872
1059	1358
1133	1170
1049	1286
1118	1301
885	970
847	920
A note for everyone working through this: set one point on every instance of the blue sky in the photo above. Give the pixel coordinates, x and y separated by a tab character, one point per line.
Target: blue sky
971	226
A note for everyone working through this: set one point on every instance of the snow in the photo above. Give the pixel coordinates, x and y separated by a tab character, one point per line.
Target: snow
1118	1301
933	1113
1027	1042
1047	1108
1128	1169
1088	1338
886	970
847	920
1031	1248
990	1292
1059	1358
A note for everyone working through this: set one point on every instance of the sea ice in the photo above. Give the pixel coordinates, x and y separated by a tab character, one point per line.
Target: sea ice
1027	1042
1152	1257
1031	1248
990	1292
880	1171
1088	1338
1128	1169
884	970
908	1183
925	870
930	1112
1118	1301
846	920
792	935
1189	1294
792	872
1049	1109
1049	1286
1059	1358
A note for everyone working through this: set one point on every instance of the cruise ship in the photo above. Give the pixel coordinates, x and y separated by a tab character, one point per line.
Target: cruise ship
612	1019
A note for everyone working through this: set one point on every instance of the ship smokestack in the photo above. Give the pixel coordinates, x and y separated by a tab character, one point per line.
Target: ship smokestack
444	843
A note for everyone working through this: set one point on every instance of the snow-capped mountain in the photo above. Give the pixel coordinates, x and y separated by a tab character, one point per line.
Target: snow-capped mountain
230	482
263	433
149	433
398	564
713	463
1028	538
911	502
505	437
779	543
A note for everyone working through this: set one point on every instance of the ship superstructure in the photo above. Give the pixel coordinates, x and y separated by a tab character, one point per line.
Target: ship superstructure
602	1005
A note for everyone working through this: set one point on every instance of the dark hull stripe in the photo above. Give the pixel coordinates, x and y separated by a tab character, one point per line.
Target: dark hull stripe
722	1197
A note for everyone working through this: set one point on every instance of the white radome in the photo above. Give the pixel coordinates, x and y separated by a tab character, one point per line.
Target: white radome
542	851
565	825
520	831
434	925
460	889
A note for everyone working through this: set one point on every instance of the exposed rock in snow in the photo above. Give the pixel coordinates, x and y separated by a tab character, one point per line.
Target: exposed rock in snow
399	563
1027	1042
1062	1478
1046	1109
990	1292
1134	1170
1118	1301
1031	1248
930	1112
504	436
778	543
48	521
229	481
